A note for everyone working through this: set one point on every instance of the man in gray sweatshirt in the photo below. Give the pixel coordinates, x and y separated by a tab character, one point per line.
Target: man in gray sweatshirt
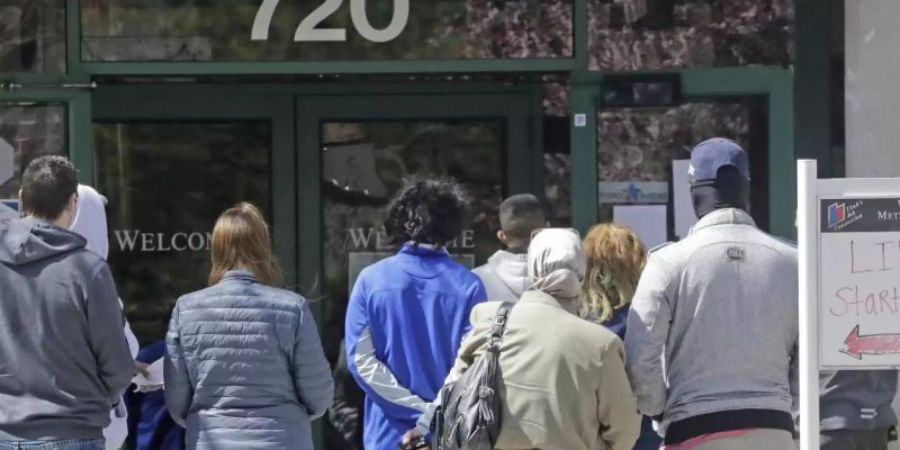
712	333
64	360
505	276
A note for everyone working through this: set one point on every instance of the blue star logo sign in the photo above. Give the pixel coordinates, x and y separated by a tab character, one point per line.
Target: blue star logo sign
632	193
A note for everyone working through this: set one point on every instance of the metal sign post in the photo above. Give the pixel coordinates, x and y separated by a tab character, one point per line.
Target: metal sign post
807	234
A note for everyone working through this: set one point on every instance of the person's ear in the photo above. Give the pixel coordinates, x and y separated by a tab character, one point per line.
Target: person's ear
73	204
501	236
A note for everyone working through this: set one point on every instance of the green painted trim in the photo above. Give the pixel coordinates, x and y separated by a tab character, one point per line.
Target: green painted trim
81	136
727	81
584	158
73	37
313	89
782	159
580	35
812	83
330	67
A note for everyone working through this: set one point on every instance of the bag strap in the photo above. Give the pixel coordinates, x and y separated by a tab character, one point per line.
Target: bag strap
500	320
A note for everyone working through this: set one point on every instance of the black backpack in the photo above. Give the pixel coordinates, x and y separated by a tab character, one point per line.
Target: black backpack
470	413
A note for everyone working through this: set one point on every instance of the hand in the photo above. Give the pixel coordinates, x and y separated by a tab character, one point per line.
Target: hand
412	436
141	368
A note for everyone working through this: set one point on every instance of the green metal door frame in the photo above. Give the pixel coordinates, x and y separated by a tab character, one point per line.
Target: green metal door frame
146	104
775	84
80	141
523	172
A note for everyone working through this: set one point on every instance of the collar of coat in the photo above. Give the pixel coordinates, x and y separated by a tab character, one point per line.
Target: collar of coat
238	274
725	216
536	296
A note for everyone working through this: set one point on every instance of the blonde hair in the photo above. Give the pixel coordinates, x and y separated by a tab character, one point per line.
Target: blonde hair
240	240
615	259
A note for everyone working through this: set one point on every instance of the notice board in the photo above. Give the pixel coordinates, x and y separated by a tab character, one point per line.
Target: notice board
859	283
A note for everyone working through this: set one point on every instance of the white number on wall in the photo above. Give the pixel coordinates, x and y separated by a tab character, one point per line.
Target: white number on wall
361	21
263	20
307	31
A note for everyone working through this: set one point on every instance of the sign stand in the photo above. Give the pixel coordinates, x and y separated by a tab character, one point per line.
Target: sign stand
849	298
808	258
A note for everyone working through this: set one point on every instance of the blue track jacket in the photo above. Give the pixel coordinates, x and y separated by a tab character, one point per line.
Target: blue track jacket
405	321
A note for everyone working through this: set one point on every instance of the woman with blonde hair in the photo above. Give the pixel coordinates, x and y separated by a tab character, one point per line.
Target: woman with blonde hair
244	365
615	259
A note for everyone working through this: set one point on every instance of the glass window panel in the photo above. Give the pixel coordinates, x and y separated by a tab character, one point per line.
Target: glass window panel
33	34
647	34
27	131
166	184
637	147
557	154
198	30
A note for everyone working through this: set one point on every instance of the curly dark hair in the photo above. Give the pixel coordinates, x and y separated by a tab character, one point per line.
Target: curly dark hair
426	211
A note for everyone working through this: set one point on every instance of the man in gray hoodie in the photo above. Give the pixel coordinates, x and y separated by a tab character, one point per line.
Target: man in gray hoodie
505	276
64	360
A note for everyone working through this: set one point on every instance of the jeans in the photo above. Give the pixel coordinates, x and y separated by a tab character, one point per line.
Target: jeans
71	444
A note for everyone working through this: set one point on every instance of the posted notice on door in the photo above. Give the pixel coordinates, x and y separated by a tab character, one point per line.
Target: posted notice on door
859	283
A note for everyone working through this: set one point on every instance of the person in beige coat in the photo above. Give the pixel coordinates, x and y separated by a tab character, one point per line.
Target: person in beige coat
563	380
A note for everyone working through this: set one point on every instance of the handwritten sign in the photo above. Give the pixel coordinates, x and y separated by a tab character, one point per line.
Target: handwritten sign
859	282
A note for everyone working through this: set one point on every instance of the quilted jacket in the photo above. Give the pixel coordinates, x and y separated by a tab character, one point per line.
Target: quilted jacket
245	368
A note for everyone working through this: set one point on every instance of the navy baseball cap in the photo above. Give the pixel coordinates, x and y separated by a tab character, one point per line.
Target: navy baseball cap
711	155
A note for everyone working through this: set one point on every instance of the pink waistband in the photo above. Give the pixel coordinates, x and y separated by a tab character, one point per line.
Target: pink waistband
691	443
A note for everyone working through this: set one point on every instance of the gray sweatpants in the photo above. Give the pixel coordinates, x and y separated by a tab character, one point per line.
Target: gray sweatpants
754	440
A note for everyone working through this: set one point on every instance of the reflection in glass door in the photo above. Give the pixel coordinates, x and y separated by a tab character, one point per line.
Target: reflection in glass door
166	183
365	163
637	146
27	131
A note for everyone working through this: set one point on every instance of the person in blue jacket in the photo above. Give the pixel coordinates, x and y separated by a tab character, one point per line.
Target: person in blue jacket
408	313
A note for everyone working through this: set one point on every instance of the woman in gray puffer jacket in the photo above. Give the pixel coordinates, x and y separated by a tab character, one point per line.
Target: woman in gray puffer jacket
244	366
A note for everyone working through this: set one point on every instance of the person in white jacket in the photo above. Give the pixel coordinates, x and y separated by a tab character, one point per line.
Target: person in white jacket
90	222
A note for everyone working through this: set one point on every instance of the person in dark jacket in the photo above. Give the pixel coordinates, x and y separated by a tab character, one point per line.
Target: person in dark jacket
150	427
615	258
244	366
408	313
855	409
505	275
346	413
64	360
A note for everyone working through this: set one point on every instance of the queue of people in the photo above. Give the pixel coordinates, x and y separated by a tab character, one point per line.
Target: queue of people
597	343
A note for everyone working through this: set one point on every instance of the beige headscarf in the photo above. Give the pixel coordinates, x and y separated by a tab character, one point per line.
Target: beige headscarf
556	263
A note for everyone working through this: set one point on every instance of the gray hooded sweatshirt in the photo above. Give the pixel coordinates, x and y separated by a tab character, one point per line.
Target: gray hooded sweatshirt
64	360
505	276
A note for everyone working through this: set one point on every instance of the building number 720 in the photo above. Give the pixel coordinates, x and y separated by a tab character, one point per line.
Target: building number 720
308	31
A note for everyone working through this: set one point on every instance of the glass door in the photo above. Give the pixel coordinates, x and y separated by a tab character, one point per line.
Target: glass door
28	130
642	154
356	153
169	162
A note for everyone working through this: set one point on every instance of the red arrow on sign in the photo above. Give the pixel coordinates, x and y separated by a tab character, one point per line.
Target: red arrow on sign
873	344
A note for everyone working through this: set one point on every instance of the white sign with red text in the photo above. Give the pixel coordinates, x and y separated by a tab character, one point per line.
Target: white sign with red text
859	282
